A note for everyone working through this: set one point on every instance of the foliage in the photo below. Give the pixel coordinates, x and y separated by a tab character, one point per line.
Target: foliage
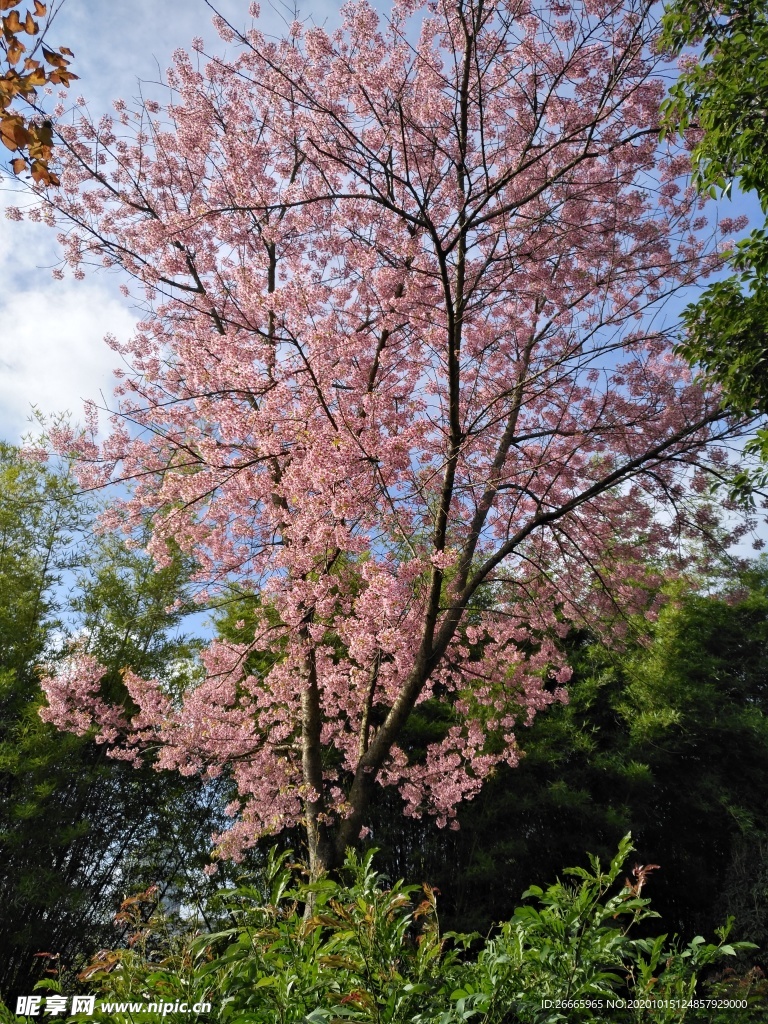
722	97
30	138
43	776
359	950
727	336
75	826
720	92
666	737
394	381
154	958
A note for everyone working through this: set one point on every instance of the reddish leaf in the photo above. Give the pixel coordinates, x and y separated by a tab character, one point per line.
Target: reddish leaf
42	174
55	58
12	23
13	133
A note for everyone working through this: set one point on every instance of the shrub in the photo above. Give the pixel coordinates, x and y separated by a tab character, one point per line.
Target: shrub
338	952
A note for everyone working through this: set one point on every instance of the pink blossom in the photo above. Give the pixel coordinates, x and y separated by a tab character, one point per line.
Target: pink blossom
395	379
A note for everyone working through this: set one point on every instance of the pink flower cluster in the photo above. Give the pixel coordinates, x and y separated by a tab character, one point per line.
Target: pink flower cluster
397	378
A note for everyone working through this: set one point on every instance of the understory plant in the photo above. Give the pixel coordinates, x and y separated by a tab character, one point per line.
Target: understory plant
357	949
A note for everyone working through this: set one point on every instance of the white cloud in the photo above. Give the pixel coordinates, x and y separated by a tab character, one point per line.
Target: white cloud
52	353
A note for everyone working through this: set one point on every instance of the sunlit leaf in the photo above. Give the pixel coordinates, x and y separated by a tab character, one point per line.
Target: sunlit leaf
14	51
12	23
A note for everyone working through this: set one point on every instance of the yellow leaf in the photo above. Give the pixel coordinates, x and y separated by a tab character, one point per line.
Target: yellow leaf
36	78
14	51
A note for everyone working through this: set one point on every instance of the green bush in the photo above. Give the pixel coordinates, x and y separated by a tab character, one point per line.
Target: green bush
336	952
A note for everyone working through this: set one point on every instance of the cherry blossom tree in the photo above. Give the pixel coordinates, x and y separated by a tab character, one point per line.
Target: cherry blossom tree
402	386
